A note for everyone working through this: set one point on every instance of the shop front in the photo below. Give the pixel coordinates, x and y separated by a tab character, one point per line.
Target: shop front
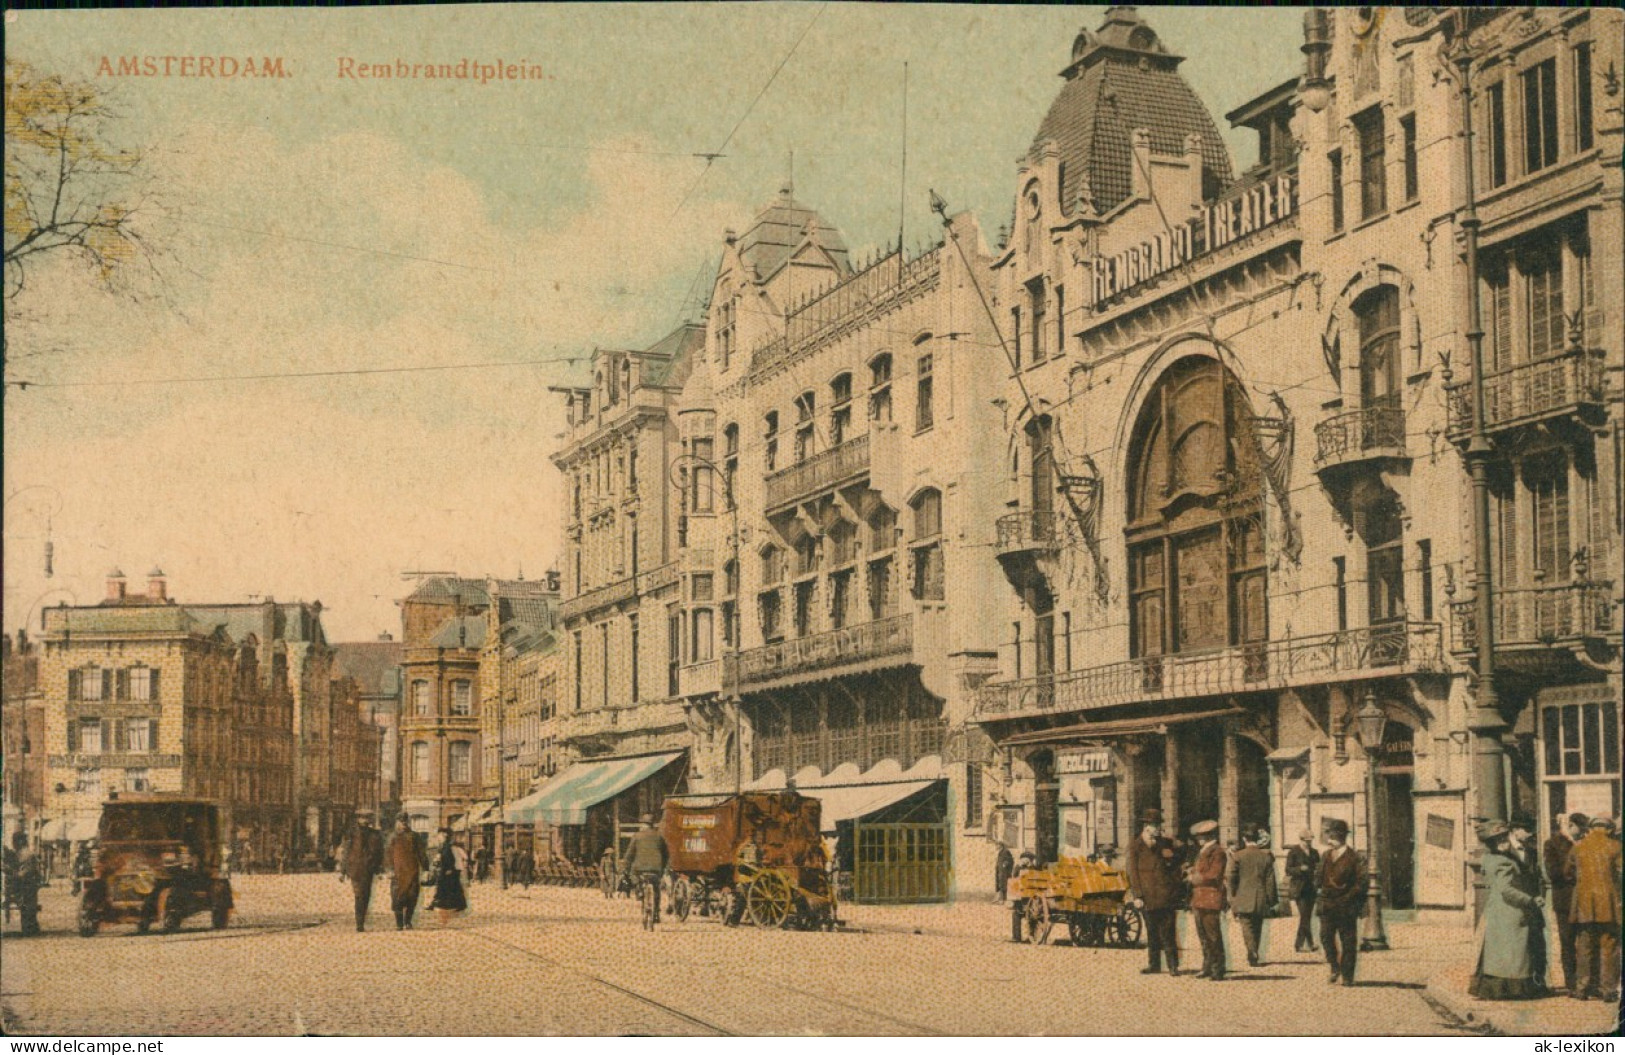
596	804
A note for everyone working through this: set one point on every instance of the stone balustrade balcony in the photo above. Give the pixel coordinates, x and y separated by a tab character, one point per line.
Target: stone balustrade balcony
822	472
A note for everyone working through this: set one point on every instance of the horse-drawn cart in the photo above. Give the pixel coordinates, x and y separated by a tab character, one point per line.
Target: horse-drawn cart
756	855
1089	897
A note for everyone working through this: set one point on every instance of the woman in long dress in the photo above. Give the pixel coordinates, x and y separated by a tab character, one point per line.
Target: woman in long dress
450	867
1505	971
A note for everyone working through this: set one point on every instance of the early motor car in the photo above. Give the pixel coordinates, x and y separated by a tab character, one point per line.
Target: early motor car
160	860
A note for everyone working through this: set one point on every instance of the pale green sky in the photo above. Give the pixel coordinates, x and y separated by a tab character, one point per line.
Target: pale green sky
544	219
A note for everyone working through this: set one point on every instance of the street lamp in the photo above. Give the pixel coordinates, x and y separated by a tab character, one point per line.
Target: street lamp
1369	722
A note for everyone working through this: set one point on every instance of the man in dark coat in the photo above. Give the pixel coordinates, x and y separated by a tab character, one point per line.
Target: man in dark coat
1594	867
1253	893
1003	866
363	857
1527	854
1342	883
24	877
1565	829
646	856
1208	898
1153	877
1302	862
407	863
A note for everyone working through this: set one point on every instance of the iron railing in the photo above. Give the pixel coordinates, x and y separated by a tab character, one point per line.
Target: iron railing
1540	615
819	473
1351	434
885	286
1530	391
1369	651
836	648
1028	530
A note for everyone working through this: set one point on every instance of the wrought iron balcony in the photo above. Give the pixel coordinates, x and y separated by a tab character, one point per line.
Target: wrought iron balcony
1531	621
822	472
1354	436
1567	386
865	646
1369	652
1029	531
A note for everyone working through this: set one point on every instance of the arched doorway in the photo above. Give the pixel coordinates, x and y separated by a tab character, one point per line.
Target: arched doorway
1396	815
1252	784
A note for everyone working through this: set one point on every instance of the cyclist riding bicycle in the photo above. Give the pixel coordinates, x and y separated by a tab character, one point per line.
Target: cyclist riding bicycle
647	857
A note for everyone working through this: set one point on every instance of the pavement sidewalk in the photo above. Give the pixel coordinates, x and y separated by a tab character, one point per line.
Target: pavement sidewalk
1553	1016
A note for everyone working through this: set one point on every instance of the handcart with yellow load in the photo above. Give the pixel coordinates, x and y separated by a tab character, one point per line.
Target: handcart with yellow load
1088	896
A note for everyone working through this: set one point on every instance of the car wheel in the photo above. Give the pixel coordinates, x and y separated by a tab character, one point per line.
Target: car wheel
87	919
170	913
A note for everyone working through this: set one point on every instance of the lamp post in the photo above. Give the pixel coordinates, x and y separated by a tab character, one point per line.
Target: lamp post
1370	722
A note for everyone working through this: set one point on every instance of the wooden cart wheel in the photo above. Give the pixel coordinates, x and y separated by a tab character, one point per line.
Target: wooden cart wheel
1127	927
681	898
1039	921
768	899
1078	929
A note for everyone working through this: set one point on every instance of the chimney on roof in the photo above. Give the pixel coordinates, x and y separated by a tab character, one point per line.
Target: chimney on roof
157	587
385	635
115	585
553	580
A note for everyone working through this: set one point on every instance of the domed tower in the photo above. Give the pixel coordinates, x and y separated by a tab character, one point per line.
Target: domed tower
1122	79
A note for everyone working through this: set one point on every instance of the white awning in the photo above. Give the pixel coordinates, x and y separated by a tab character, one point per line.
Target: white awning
847	795
566	798
74	830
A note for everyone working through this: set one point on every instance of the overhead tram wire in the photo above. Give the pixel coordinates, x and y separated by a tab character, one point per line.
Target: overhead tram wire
710	158
292	375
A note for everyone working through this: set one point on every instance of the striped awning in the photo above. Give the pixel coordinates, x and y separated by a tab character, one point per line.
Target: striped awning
566	798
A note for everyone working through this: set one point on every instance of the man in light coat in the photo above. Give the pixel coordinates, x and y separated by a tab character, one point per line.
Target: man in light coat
1594	866
1253	893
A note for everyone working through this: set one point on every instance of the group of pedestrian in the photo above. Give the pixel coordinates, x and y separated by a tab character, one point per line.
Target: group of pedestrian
1582	874
364	855
1242	880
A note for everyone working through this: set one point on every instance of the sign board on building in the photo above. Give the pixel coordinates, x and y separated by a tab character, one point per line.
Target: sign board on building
1218	225
1440	881
1088	760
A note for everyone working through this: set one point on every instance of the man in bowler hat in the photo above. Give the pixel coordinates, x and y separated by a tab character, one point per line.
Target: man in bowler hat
1153	877
1342	882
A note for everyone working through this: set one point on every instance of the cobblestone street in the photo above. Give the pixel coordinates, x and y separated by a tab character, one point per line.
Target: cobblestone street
551	960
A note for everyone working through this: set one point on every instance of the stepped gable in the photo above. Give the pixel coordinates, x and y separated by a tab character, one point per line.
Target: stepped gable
1122	78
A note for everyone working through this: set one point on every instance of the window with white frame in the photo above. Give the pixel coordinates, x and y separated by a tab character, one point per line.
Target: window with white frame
461	762
141	679
88	780
90	736
422	702
462	698
138	735
420	762
138	779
